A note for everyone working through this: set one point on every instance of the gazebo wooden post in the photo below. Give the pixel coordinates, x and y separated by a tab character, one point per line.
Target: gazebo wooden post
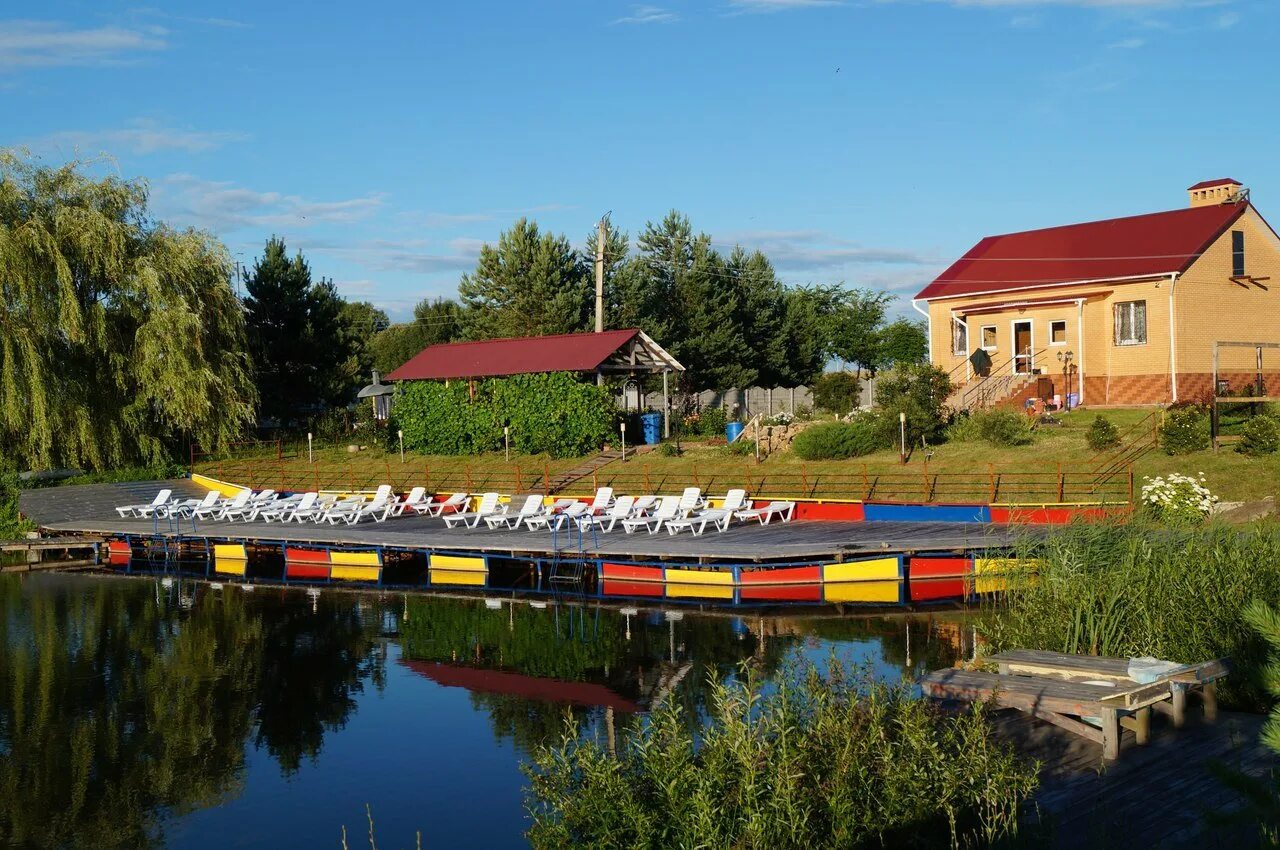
666	407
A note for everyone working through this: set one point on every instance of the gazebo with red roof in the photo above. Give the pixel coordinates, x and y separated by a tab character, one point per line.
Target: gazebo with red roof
618	352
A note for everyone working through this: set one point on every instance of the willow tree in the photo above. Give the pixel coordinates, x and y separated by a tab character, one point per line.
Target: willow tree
120	337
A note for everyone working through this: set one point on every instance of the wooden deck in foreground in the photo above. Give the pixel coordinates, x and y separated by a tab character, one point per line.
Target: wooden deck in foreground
1156	796
89	509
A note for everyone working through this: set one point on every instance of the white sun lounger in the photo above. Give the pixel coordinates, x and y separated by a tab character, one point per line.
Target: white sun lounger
314	512
784	510
487	506
603	500
284	509
456	502
219	507
668	509
351	512
156	504
417	497
690	501
549	514
532	507
188	507
719	517
250	507
623	508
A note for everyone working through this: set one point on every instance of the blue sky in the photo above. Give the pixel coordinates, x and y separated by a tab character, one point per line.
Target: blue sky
867	141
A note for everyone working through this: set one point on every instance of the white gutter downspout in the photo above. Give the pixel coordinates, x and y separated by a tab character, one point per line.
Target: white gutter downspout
928	325
1080	335
1173	339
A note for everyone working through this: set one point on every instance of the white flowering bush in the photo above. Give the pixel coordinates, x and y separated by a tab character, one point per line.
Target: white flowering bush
1177	498
782	418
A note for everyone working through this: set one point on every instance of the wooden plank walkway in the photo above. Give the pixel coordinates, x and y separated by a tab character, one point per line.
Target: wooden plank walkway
89	509
1155	796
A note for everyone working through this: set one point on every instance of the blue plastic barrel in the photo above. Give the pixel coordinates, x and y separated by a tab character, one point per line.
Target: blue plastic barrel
732	430
651	424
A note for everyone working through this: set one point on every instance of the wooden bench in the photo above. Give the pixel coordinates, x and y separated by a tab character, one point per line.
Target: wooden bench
1056	688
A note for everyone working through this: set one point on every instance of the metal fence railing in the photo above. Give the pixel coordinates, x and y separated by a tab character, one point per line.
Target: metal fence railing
859	483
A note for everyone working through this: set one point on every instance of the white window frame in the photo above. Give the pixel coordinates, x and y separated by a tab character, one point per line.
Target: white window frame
956	322
1115	320
982	335
1013	346
1062	322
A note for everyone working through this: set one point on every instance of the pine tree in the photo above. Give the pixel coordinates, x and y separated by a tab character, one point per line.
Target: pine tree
296	334
530	284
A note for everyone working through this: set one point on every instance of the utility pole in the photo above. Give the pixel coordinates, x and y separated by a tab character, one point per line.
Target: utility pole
600	239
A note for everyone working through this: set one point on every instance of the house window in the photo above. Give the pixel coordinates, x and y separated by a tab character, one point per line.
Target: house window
1058	332
1237	253
989	337
1131	323
959	338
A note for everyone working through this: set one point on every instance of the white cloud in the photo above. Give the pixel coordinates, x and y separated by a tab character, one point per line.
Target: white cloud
1128	44
224	207
144	137
1227	20
221	23
648	15
417	256
764	6
810	250
44	44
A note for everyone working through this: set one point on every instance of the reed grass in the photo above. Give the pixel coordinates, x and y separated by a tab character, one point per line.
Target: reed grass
1127	590
820	760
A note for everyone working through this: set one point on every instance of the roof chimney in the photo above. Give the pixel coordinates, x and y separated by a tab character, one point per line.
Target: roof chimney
1222	191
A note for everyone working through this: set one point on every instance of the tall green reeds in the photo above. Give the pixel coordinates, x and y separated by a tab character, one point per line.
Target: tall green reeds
819	761
1131	590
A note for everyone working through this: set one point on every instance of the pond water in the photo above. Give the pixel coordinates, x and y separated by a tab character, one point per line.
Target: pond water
167	712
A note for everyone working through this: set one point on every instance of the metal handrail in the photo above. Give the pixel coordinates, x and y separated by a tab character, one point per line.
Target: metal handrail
1002	379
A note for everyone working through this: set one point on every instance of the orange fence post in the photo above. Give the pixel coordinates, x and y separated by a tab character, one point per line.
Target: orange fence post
648	488
315	478
1062	484
519	479
804	479
991	473
925	497
467	471
595	481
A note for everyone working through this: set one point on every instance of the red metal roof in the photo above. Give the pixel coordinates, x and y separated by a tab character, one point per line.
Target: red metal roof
1132	247
513	356
521	685
1221	181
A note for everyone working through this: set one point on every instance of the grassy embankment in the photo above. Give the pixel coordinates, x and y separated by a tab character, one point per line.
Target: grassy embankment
1229	474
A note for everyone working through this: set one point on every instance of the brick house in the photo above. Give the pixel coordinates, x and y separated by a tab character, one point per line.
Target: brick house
1130	307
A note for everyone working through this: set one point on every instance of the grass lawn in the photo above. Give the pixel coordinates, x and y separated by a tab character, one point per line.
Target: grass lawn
968	465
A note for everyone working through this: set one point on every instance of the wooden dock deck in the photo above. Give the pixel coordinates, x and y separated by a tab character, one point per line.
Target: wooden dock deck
89	509
1157	796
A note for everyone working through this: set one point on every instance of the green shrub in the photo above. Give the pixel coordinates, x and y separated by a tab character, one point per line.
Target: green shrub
707	422
837	440
1127	590
838	392
1185	429
741	447
1001	426
816	762
1177	499
1103	434
552	413
11	526
1260	436
920	391
669	450
964	428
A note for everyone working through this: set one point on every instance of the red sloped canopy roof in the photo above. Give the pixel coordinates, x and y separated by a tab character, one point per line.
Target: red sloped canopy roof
1136	246
1221	181
513	356
521	685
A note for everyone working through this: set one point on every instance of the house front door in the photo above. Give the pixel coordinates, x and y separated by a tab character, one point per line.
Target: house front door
1022	348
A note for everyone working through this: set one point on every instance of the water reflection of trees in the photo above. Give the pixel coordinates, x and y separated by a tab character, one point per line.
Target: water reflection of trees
644	657
121	700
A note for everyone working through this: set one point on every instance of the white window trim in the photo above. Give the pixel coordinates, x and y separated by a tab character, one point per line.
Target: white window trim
982	333
1130	344
1062	322
1013	345
956	320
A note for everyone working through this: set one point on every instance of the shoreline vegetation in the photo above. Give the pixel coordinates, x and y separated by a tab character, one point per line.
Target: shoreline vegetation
821	759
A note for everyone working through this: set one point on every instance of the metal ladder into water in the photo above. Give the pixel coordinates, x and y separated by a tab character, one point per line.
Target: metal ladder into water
570	571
